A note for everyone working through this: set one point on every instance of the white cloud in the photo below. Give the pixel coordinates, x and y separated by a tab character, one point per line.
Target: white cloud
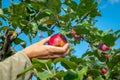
114	1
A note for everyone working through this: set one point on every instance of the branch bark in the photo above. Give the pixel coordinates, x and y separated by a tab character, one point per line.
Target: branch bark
7	49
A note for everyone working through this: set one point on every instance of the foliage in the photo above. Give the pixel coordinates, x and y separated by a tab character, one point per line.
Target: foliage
34	16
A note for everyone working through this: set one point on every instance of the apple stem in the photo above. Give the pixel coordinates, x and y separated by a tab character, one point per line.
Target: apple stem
107	60
85	39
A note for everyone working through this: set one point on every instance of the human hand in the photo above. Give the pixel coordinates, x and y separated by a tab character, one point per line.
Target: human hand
42	51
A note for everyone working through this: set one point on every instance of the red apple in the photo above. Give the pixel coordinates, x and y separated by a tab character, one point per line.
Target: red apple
103	47
57	40
73	32
104	70
107	56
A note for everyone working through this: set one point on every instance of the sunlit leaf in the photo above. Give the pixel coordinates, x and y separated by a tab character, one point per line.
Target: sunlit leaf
66	63
82	72
44	76
1	11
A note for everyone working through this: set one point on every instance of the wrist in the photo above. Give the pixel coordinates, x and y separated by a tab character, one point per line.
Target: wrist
27	52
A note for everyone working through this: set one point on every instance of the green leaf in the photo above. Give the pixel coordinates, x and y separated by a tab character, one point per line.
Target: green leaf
42	20
61	74
117	32
23	44
6	10
86	24
95	71
82	72
71	75
0	23
44	76
99	78
20	41
76	60
81	30
109	39
86	54
48	11
0	3
54	5
43	28
41	1
35	60
65	17
26	70
114	61
34	29
1	11
106	32
37	5
3	17
4	28
42	63
50	32
89	78
86	8
66	63
47	20
65	32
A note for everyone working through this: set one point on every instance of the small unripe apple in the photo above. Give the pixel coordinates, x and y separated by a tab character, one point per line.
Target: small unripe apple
73	32
57	40
104	70
103	47
107	56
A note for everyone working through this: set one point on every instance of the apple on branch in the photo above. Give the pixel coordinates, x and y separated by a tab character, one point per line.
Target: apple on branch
107	56
103	47
74	34
104	70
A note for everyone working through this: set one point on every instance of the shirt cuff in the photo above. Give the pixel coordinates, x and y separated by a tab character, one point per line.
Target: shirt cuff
21	53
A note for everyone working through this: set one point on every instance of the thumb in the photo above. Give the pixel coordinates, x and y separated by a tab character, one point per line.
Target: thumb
43	41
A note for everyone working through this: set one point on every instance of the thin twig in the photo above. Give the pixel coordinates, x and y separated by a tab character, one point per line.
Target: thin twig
48	69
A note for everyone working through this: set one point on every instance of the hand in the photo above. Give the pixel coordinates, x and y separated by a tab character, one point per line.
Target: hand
42	51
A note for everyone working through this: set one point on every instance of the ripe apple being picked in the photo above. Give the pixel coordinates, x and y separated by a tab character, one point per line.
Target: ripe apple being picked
57	40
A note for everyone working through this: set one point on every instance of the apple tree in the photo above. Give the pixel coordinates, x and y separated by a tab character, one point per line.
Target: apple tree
75	19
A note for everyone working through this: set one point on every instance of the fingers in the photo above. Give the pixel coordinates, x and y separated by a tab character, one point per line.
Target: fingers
55	52
54	49
66	46
45	40
54	55
67	52
50	57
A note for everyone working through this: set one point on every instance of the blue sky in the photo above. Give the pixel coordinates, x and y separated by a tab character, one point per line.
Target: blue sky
110	15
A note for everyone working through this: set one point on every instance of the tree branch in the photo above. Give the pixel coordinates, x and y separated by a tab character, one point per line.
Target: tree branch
86	15
9	37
